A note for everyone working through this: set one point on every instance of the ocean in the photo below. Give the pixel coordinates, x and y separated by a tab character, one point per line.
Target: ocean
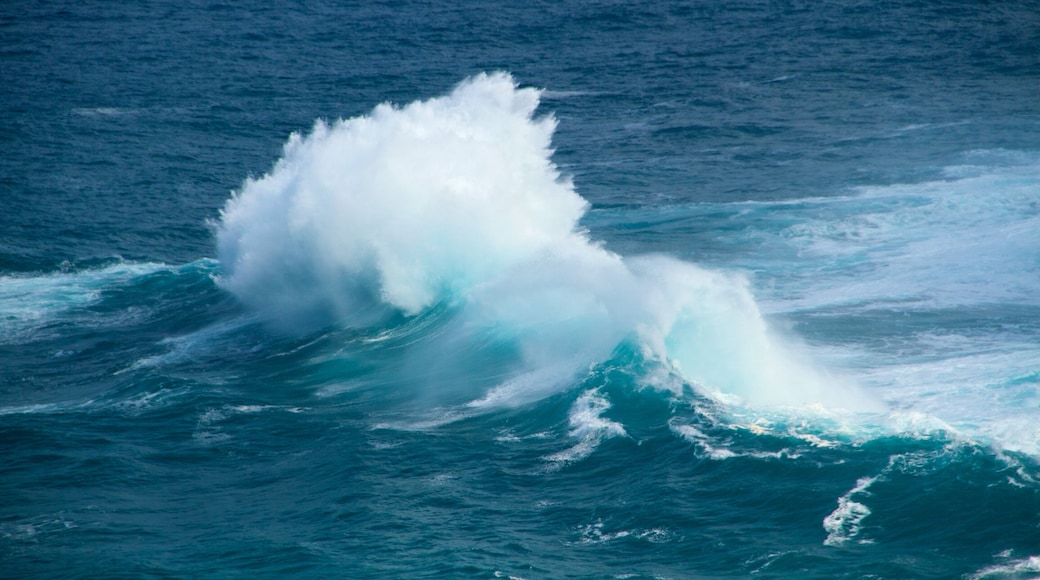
410	289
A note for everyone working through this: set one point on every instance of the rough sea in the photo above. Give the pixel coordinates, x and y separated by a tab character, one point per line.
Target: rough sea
572	289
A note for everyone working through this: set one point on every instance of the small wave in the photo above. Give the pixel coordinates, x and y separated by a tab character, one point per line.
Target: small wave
595	533
209	430
30	303
42	307
1024	568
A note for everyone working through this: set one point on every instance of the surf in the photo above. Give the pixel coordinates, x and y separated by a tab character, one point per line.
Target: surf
455	203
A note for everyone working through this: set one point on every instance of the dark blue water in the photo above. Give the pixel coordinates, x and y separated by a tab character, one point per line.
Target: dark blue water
603	290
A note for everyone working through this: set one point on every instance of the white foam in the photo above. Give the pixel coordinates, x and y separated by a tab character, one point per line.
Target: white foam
589	426
694	435
1027	567
528	386
406	206
845	522
971	239
433	420
595	533
984	396
711	328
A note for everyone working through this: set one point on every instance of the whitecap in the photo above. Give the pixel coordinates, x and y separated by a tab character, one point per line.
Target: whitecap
845	522
589	426
1024	568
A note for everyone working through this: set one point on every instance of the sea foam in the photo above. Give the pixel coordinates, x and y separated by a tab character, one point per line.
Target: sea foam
402	208
455	201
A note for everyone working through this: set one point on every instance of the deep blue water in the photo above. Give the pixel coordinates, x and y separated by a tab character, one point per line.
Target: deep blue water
605	290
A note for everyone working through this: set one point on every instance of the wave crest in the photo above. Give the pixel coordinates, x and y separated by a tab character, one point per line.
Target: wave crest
402	208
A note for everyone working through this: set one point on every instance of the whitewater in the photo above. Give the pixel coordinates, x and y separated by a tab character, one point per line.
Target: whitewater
456	201
684	304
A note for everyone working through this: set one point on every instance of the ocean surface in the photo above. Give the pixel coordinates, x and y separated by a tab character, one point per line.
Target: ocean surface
574	289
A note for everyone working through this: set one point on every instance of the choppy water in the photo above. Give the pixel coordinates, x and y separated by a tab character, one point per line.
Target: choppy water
600	290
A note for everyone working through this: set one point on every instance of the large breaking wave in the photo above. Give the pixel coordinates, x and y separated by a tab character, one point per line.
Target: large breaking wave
454	203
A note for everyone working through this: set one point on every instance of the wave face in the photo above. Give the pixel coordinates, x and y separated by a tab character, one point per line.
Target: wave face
924	292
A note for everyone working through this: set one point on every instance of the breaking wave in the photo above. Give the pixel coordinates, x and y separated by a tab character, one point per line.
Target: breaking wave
454	204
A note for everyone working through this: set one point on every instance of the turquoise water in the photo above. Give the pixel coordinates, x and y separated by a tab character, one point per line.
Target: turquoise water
580	290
